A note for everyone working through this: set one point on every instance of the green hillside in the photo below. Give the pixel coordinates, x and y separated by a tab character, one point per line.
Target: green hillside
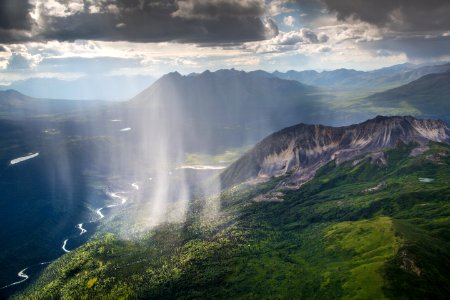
359	230
426	96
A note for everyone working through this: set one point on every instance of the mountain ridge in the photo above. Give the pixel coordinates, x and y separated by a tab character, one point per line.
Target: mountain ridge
14	104
227	106
302	149
348	78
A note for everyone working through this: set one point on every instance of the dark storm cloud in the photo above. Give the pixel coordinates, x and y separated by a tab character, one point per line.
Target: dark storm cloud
308	5
14	15
215	21
413	47
403	15
215	9
413	27
309	9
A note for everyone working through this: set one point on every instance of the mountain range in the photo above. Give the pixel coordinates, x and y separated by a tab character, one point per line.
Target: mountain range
351	79
119	87
110	88
366	201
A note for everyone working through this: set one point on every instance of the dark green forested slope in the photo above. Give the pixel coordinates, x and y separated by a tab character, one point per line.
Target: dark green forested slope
426	96
356	231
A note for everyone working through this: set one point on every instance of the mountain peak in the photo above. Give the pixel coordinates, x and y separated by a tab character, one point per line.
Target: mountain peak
174	74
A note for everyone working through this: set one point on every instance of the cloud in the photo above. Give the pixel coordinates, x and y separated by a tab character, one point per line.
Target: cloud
415	28
271	27
416	48
23	61
287	42
303	36
357	31
277	7
186	21
216	9
289	21
14	15
309	10
403	15
324	49
59	8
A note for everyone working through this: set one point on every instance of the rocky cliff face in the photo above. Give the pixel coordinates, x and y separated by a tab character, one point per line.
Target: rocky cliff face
302	149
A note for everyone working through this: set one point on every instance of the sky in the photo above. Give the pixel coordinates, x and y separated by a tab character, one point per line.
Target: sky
77	39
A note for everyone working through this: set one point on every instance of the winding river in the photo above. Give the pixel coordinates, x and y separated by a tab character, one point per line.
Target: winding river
115	195
23	275
64	246
82	230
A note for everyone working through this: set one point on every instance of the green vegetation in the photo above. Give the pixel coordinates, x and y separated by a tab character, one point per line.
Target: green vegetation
371	243
332	238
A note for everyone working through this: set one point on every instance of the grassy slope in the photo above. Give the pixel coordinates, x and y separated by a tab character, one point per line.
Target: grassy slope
428	96
329	239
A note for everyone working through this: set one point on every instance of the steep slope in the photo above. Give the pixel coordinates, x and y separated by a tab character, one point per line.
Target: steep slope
302	149
426	96
337	237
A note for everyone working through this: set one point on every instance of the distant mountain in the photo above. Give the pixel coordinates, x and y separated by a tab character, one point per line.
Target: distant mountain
84	88
428	96
324	78
302	149
351	79
226	107
17	105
